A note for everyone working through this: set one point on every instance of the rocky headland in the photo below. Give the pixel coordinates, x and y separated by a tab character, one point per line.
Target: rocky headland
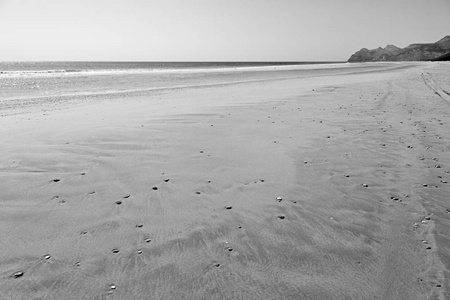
414	52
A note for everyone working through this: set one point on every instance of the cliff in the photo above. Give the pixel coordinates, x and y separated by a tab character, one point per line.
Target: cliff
414	52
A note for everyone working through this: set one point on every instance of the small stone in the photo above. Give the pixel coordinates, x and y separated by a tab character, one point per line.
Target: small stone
424	185
424	242
230	249
56	180
139	225
427	218
126	196
201	151
198	193
281	217
118	202
438	285
262	180
346	175
365	185
77	264
83	173
428	247
113	287
166	180
438	166
216	265
83	232
444	181
279	199
18	274
115	250
47	256
305	162
148	240
154	188
139	251
228	207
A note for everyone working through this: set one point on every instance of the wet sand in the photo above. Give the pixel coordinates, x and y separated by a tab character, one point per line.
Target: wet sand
321	187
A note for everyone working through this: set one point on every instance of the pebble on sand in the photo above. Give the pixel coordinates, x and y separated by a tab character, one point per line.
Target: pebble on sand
148	240
154	188
166	180
139	225
444	181
47	256
139	251
118	202
56	180
424	185
18	274
115	250
282	217
346	175
216	265
228	207
113	287
438	166
198	192
365	185
279	199
126	196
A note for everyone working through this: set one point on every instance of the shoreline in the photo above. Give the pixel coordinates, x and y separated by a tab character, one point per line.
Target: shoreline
342	151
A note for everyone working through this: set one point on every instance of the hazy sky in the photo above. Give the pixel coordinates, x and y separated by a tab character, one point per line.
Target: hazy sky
213	30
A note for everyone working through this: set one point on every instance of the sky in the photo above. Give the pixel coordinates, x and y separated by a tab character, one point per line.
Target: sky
213	30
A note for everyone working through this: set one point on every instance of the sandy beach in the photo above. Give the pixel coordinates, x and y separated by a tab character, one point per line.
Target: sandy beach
328	183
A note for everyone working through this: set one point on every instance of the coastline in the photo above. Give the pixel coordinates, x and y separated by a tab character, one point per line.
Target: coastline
207	148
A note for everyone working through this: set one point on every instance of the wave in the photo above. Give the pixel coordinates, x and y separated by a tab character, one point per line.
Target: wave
87	72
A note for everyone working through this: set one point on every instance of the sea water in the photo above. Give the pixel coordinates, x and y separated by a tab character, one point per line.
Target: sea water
54	81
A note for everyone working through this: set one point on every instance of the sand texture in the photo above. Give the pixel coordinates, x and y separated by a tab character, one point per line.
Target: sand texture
326	186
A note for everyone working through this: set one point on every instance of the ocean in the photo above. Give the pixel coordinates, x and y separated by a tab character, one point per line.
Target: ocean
35	82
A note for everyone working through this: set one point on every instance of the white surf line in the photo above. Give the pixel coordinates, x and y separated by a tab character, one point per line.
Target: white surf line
434	86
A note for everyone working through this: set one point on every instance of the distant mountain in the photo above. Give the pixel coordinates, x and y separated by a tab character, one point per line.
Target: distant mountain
414	52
